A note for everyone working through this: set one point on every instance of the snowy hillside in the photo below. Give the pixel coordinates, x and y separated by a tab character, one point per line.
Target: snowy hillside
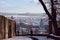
29	18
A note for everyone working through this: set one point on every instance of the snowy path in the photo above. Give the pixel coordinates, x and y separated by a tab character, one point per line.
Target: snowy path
27	38
20	38
42	38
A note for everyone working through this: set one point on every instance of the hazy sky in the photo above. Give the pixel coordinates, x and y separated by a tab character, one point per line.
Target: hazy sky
21	6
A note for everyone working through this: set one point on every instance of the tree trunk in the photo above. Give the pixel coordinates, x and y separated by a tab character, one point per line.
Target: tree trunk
50	26
54	21
55	26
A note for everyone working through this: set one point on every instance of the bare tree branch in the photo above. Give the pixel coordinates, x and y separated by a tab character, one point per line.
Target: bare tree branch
45	8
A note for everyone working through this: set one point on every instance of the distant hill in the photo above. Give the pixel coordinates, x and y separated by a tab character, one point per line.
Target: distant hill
23	14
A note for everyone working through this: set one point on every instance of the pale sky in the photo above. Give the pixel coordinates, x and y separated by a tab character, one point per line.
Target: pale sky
21	6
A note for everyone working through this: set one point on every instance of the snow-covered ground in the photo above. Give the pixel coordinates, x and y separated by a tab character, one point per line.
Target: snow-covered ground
42	38
27	38
19	38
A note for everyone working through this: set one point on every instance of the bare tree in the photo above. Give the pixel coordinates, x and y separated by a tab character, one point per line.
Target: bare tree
52	16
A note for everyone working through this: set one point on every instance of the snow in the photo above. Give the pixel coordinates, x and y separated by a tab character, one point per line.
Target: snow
19	38
42	38
27	38
31	20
